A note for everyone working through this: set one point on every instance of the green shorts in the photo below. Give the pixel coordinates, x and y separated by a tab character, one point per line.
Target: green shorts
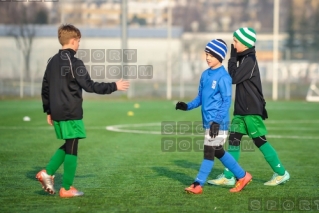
69	129
251	125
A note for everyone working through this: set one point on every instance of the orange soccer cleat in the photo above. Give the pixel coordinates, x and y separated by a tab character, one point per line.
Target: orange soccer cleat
242	182
72	192
194	189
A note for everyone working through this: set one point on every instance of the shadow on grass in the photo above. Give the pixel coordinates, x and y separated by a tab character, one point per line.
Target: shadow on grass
258	180
181	177
190	165
43	193
187	164
31	174
85	176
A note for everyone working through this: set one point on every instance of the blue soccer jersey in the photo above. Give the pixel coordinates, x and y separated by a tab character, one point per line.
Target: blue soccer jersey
214	95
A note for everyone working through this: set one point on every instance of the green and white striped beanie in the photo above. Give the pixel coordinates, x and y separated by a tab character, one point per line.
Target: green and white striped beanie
246	35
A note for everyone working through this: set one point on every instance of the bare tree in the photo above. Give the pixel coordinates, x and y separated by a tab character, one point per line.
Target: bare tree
24	36
20	19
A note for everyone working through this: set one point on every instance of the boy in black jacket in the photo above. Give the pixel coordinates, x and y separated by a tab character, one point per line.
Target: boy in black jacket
249	110
65	77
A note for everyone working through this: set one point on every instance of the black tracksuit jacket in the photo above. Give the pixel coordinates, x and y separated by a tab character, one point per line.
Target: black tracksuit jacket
249	98
64	78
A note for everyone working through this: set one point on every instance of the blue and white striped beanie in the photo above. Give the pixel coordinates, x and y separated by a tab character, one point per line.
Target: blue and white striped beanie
217	48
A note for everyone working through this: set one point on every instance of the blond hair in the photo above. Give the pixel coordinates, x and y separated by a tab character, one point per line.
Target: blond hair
67	32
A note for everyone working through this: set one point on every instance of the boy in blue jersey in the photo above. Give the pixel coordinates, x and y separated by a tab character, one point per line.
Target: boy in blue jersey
214	95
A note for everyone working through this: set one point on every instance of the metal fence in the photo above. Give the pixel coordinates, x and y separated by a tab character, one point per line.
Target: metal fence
188	62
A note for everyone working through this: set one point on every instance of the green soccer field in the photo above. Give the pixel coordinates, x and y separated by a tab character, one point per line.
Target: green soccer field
130	171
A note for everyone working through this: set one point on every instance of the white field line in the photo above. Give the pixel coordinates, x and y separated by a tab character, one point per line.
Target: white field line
125	129
119	128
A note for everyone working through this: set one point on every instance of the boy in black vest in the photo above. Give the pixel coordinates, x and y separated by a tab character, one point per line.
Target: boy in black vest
249	110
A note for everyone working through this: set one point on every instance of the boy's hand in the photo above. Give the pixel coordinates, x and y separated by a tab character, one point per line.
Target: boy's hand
122	85
49	120
213	130
233	52
181	106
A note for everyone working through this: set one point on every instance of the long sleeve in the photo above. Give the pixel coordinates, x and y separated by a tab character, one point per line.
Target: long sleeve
198	100
45	94
84	80
241	73
226	92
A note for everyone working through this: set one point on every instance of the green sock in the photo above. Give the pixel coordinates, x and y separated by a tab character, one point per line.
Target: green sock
272	158
70	163
55	162
235	152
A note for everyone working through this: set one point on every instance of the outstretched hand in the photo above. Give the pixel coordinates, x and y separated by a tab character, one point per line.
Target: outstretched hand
181	106
122	85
